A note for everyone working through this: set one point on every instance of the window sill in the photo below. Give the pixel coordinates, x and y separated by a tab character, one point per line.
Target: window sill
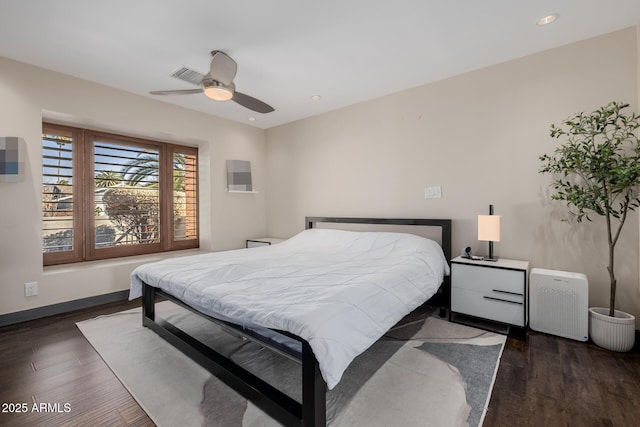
116	262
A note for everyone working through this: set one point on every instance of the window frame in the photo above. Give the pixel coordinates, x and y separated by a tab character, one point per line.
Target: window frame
77	153
83	190
186	243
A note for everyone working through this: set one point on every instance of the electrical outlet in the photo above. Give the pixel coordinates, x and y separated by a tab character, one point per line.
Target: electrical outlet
433	192
30	289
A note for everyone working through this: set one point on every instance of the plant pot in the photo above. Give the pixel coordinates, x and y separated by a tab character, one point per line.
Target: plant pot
612	333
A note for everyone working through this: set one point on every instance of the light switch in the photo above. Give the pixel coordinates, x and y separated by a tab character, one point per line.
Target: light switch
433	192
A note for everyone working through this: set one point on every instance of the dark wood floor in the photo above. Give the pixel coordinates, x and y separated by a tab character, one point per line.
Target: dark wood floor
551	381
542	381
50	361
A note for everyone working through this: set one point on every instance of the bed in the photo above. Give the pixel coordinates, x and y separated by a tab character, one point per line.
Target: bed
320	298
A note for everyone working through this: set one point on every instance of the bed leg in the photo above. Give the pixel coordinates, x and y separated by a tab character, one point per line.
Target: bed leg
314	404
445	303
148	303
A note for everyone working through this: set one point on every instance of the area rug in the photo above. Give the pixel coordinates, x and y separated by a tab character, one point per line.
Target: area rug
424	372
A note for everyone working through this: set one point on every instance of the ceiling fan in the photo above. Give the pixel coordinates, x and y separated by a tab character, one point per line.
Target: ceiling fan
218	84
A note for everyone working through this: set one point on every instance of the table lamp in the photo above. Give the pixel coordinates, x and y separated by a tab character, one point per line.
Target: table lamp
489	230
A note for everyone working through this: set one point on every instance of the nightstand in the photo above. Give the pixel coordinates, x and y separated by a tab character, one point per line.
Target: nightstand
263	241
492	290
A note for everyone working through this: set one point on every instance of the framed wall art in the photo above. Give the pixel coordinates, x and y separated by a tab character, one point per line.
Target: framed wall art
12	154
239	176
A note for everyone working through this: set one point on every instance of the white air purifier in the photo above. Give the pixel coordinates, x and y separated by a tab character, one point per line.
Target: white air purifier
558	303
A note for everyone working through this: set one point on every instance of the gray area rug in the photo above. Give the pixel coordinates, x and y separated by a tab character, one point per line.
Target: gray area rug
424	372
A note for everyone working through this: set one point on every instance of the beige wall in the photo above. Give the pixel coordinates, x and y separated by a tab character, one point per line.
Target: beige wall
477	135
638	88
27	94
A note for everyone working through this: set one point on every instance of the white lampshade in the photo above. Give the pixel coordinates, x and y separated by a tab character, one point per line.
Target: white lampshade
489	228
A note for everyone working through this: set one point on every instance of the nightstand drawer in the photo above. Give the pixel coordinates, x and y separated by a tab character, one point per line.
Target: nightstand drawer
493	290
493	306
487	279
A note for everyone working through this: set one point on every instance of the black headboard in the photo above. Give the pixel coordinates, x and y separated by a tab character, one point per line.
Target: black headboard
444	224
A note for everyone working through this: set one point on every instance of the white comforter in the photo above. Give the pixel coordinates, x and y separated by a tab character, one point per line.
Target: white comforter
339	290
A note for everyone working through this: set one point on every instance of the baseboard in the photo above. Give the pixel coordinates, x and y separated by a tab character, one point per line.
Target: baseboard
63	307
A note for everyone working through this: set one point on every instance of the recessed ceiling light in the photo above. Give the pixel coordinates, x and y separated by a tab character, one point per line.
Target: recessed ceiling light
548	19
252	119
316	98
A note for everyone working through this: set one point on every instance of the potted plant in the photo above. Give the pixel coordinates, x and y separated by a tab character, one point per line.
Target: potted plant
597	171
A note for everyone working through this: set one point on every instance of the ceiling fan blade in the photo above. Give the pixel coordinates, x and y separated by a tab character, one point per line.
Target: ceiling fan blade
176	92
223	68
251	103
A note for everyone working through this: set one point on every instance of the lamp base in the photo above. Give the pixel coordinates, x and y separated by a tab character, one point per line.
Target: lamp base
489	258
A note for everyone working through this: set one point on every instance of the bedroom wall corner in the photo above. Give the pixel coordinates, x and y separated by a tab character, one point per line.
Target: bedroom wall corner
479	136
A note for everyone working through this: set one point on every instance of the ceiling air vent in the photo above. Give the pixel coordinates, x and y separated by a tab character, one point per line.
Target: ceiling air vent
187	75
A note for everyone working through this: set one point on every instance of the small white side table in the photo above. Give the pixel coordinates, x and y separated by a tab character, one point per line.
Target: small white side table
262	241
493	290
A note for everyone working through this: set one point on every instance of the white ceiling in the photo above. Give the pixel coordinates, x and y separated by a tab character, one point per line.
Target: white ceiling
346	51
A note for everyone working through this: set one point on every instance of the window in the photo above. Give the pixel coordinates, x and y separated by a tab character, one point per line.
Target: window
106	195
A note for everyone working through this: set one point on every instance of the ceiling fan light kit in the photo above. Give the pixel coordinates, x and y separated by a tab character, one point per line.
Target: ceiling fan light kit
217	84
218	91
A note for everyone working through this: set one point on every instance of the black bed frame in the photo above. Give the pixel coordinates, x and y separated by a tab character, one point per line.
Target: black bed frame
288	411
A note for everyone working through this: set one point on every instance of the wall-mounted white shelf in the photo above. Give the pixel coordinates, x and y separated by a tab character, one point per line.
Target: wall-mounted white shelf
238	191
